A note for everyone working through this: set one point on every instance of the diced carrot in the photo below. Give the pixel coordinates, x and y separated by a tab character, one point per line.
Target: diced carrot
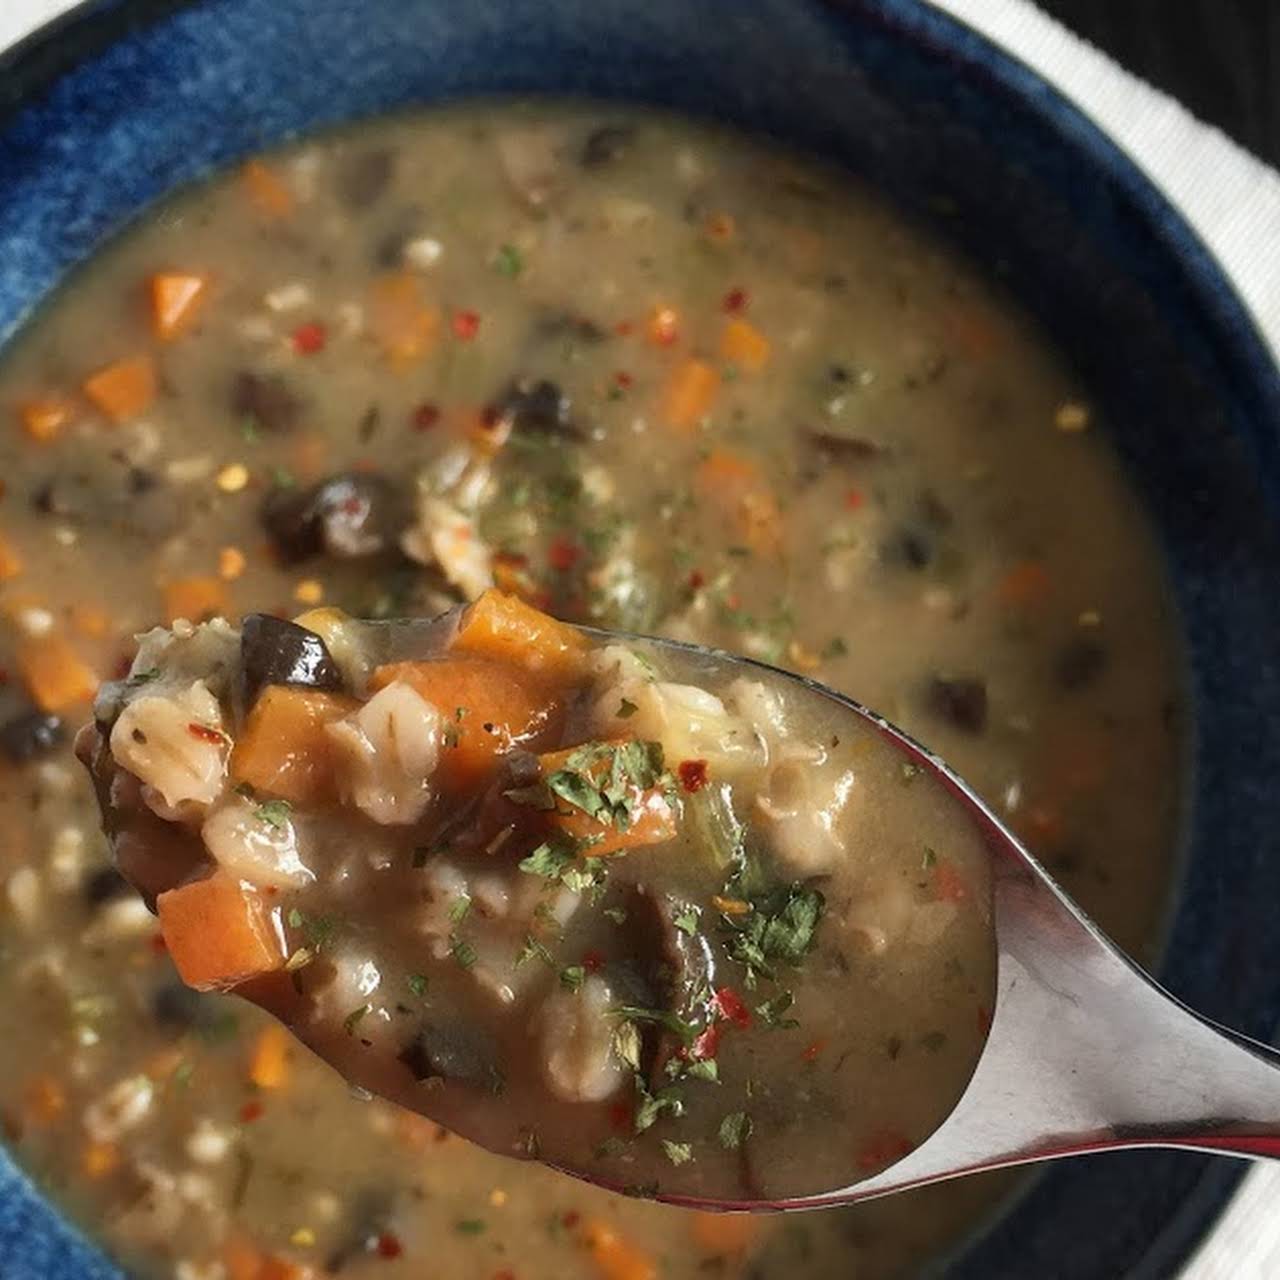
615	1257
90	620
268	192
241	1259
99	1159
488	708
197	599
653	819
176	300
123	390
10	561
744	346
269	1063
46	1100
400	320
284	749
506	629
219	932
724	1233
690	392
55	675
277	1268
1027	583
44	417
738	487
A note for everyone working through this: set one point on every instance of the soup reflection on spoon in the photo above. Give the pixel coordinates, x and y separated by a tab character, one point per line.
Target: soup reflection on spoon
668	920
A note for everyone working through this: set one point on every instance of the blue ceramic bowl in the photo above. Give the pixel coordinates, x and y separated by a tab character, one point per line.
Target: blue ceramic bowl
115	106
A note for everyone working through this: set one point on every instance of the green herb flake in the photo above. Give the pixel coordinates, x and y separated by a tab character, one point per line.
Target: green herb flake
508	261
417	983
617	914
909	772
677	1152
320	931
459	908
626	709
572	977
282	478
551	859
834	648
250	431
626	1044
772	1012
703	1069
780	930
464	954
686	920
608	1149
534	950
928	859
650	1107
471	1226
182	1073
354	1018
735	1129
274	813
685	1030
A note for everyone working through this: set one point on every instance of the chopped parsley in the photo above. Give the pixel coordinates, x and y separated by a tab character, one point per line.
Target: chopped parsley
626	1044
319	930
779	930
772	1012
686	920
508	261
551	859
928	859
606	780
626	709
702	1069
834	648
650	1107
735	1129
417	983
471	1226
533	949
677	1152
459	908
681	1027
275	813
572	976
354	1018
617	914
463	953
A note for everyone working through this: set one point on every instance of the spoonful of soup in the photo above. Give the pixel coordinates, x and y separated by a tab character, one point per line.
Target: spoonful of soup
669	920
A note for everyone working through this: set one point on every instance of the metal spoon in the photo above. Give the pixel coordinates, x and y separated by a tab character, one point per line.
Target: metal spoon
1085	1052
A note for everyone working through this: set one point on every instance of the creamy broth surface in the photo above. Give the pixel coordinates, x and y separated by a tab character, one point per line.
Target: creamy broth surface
647	376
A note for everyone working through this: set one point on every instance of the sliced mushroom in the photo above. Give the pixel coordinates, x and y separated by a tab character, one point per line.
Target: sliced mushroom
275	651
349	515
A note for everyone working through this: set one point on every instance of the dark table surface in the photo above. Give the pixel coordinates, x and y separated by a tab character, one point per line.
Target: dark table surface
1220	58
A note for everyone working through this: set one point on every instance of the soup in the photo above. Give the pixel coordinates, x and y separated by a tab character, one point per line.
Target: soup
647	376
585	903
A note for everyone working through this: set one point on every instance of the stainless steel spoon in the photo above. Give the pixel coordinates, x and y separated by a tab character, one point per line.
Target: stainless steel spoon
1086	1051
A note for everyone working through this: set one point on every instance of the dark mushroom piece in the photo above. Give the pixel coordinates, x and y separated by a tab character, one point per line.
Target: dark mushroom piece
959	700
349	515
266	400
844	449
363	178
275	651
30	734
537	406
605	145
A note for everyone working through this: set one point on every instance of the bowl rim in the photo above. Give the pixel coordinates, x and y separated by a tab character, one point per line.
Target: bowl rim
32	65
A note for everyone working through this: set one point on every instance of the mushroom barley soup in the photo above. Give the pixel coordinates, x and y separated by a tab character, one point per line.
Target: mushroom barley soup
642	375
593	901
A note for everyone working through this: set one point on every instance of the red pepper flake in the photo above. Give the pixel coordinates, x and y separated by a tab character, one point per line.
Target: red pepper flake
205	732
707	1044
310	338
693	775
563	554
948	884
882	1149
570	1219
466	324
624	328
853	499
388	1245
425	416
697	580
624	379
621	1118
664	326
251	1111
732	1007
593	961
735	301
811	1051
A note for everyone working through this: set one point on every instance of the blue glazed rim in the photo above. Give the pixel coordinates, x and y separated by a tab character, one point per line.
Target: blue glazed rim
1210	332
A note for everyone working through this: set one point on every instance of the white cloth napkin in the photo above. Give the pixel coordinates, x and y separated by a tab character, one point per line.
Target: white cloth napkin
1233	201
